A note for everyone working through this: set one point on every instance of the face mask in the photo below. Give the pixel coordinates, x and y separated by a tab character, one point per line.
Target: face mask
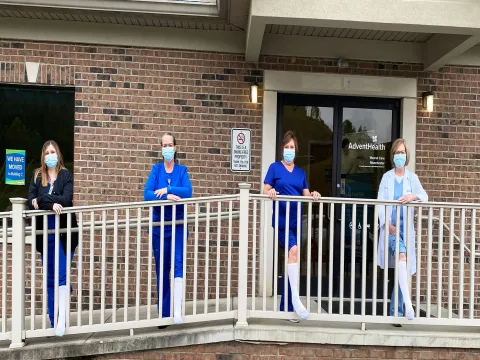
288	155
168	153
399	160
51	161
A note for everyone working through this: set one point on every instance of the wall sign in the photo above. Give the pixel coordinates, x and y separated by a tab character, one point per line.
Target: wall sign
15	167
240	157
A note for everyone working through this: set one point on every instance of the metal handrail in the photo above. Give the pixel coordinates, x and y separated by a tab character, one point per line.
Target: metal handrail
144	222
134	205
357	201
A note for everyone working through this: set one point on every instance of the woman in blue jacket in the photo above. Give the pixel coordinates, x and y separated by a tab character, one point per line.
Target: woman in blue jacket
404	186
285	178
169	181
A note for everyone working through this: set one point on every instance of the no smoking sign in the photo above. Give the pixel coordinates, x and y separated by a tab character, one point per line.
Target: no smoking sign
240	157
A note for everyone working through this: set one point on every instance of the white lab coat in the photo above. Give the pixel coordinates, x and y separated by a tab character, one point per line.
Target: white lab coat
411	185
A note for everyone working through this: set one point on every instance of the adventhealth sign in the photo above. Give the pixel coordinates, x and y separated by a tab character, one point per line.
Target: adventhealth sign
15	167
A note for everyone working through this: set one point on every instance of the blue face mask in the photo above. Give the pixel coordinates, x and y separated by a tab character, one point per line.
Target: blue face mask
288	155
399	160
51	161
168	153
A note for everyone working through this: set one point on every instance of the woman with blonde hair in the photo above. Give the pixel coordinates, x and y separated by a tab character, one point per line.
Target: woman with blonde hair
51	188
404	186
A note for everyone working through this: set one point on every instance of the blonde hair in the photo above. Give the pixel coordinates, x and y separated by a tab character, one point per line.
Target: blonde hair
395	146
43	171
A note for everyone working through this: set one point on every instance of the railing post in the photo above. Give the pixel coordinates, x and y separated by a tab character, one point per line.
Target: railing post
243	255
18	272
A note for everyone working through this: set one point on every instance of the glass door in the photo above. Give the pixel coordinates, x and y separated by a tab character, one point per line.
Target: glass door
344	146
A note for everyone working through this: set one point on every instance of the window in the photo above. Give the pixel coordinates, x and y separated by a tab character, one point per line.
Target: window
29	116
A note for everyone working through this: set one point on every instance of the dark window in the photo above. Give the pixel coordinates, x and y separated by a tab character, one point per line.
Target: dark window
29	116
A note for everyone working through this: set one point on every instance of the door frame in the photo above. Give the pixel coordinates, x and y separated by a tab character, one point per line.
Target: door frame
338	103
275	82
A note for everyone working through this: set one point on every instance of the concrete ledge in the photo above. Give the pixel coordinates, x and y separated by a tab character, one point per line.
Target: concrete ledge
120	342
351	334
258	331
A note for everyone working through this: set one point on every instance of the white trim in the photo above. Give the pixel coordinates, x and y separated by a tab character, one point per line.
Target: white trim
269	142
123	35
339	84
198	8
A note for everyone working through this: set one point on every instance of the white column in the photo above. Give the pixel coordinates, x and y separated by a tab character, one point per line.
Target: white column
18	272
243	256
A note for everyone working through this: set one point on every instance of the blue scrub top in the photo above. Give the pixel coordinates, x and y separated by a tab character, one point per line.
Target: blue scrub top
177	183
286	183
397	194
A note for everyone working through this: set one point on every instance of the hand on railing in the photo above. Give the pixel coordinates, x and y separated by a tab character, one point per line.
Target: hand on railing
57	208
316	195
272	194
408	198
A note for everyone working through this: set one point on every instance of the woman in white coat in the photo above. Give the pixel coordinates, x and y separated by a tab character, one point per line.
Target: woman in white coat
404	186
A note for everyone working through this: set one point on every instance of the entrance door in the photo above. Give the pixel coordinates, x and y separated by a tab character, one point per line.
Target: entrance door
344	145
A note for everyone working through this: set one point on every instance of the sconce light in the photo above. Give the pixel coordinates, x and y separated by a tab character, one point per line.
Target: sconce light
254	93
428	101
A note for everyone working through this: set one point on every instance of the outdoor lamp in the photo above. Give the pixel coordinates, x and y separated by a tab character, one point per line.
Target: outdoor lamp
428	101
254	93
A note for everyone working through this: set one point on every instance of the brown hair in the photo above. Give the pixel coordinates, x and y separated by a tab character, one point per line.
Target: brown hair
43	171
289	135
395	146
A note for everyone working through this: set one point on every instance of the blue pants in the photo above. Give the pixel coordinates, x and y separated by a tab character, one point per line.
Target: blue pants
292	241
399	305
166	263
62	274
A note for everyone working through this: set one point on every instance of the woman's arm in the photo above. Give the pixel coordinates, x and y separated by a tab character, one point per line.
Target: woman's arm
183	191
149	191
66	199
418	190
32	192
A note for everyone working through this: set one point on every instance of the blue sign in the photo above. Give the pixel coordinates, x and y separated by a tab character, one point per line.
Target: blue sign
15	167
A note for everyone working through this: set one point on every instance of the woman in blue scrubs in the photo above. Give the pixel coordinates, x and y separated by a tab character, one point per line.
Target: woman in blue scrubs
402	185
284	178
169	181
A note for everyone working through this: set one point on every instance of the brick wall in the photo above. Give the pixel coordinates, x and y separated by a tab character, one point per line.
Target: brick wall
127	97
243	351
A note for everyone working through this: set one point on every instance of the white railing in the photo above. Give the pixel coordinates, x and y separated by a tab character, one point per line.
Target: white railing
5	217
233	266
444	286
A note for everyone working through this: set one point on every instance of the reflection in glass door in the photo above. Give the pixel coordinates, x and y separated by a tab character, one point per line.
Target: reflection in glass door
343	147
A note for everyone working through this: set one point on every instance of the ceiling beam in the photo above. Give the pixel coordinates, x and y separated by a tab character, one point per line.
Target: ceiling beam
334	48
123	35
440	49
254	38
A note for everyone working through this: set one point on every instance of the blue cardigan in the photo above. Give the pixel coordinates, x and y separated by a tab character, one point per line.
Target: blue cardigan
177	183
